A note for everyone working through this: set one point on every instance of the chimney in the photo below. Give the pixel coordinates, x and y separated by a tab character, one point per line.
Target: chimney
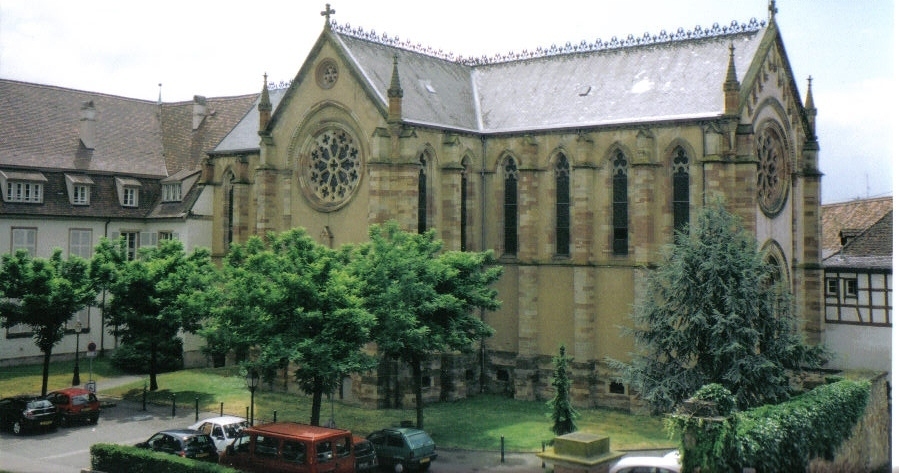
199	111
88	125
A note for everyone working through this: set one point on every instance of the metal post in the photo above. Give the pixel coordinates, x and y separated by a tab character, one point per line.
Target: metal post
173	405
144	408
196	408
76	375
274	416
502	449
221	408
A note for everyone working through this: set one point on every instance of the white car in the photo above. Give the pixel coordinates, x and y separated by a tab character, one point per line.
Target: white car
223	430
670	463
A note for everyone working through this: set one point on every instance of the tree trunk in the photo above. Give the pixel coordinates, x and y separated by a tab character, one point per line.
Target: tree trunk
416	384
316	402
153	385
46	373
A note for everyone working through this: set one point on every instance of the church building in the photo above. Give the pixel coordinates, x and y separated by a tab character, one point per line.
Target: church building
574	165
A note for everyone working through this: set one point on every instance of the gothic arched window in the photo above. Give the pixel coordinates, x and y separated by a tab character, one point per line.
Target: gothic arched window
563	205
681	186
510	207
619	204
422	193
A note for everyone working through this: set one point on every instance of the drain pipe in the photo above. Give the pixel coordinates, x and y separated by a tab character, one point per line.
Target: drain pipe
483	247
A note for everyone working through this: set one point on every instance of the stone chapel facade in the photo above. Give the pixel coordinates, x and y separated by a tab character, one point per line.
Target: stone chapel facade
574	165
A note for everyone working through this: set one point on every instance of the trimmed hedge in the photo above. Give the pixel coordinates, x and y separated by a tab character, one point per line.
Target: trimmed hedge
775	438
111	458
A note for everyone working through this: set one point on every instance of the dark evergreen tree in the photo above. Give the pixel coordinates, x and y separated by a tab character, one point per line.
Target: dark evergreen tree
563	413
715	312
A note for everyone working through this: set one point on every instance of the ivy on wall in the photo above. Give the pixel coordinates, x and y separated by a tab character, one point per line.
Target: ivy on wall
770	438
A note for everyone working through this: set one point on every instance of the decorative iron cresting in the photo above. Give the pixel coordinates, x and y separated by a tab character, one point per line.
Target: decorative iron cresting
599	45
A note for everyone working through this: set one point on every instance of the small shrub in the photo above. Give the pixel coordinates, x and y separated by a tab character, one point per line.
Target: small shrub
112	457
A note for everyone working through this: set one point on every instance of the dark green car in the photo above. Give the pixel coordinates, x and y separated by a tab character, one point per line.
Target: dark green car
412	448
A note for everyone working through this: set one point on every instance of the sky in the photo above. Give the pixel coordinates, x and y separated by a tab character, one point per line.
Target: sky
215	48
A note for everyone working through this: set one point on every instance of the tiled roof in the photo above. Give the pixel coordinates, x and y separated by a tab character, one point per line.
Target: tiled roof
135	140
855	216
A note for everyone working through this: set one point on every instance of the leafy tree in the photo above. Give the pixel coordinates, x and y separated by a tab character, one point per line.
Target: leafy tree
156	295
563	413
294	300
715	312
424	300
43	294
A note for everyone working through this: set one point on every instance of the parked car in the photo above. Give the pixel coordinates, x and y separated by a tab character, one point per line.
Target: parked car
75	405
670	463
291	447
366	457
223	430
187	443
412	448
22	413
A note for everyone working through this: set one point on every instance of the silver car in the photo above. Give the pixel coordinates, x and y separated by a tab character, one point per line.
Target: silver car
223	430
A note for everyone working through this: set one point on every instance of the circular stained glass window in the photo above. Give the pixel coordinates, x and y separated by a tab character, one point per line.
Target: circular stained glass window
326	74
773	176
334	168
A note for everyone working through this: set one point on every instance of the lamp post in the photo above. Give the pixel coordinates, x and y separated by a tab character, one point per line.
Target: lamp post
76	376
252	380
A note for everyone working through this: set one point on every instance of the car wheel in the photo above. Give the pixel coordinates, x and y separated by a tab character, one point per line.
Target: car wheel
17	427
93	419
63	421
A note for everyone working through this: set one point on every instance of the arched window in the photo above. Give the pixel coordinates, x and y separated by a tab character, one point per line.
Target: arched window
563	205
510	207
422	193
463	211
681	186
619	204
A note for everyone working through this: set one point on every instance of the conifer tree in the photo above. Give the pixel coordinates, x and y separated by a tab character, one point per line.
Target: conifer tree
715	312
563	413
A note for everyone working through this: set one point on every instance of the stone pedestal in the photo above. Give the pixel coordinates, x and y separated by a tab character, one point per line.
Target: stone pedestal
581	452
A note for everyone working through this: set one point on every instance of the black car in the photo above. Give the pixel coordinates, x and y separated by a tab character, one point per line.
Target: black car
410	447
366	458
187	443
21	413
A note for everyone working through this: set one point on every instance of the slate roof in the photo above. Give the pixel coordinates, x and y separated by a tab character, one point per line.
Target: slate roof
851	218
245	135
642	80
135	139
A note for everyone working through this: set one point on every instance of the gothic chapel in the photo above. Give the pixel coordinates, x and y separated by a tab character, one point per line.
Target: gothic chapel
574	165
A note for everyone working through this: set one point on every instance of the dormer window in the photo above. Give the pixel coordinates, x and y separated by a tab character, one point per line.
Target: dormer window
26	187
171	192
128	190
79	189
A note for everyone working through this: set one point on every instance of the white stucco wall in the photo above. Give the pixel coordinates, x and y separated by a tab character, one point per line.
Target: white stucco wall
859	346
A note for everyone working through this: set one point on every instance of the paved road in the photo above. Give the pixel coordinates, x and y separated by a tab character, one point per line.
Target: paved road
67	450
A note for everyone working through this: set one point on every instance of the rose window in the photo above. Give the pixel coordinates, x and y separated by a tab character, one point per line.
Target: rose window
772	175
334	167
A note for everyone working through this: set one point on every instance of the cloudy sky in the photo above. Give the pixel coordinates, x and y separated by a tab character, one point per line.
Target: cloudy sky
216	48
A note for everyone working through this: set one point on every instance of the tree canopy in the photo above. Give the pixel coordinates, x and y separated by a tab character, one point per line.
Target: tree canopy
715	312
43	293
424	300
294	300
156	295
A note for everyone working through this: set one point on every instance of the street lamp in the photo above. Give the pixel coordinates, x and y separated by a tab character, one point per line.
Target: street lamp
76	376
252	380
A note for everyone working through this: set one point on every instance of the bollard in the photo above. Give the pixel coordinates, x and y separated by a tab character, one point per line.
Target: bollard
173	405
144	408
221	409
543	449
274	416
502	449
196	408
248	412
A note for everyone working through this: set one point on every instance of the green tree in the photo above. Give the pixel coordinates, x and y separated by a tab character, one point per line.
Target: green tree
563	413
156	295
43	294
294	300
424	300
715	312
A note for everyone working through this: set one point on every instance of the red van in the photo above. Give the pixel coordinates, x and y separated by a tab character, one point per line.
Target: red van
291	447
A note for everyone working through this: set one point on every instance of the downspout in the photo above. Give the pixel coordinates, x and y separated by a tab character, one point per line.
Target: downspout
103	307
483	247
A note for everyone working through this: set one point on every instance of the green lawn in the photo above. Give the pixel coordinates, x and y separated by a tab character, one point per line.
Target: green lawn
475	423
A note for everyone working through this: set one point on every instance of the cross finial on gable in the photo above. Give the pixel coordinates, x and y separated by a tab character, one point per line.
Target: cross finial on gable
327	14
772	10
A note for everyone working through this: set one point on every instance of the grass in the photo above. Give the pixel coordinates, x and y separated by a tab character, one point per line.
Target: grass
476	423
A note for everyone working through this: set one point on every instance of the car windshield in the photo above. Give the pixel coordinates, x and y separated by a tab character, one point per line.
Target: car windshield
39	404
419	440
363	448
